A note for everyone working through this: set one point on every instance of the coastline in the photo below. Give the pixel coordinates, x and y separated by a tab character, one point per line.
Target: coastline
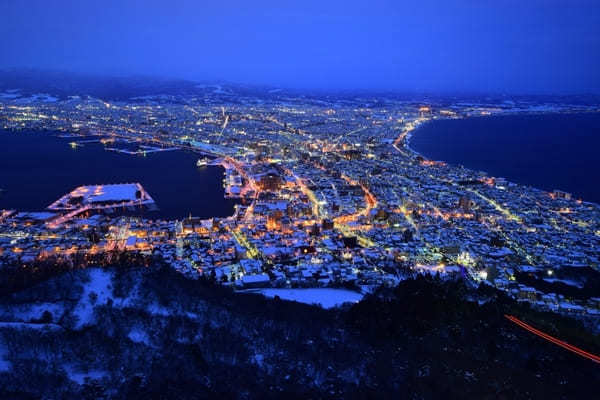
410	148
410	134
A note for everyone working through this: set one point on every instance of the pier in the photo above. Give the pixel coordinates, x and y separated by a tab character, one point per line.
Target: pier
99	197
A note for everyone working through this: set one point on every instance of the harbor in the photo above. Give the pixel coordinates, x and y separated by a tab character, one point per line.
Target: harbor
164	171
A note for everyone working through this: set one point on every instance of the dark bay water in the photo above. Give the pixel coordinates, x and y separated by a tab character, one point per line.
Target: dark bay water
38	168
549	151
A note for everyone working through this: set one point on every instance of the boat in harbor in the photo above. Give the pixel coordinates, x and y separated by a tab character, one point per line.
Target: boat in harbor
202	162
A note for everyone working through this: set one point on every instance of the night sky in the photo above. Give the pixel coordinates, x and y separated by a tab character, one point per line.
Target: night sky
507	46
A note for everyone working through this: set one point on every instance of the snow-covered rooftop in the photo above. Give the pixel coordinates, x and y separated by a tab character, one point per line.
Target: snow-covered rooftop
122	192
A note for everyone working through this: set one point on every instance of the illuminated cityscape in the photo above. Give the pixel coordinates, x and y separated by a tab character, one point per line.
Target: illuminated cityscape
330	194
299	199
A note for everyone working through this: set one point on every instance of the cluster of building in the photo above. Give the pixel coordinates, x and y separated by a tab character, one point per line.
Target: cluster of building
330	194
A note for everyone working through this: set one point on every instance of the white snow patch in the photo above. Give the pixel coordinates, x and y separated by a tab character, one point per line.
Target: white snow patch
138	335
101	284
130	300
156	309
259	359
325	297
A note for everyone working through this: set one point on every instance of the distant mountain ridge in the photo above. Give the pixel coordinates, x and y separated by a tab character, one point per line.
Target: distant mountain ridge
63	84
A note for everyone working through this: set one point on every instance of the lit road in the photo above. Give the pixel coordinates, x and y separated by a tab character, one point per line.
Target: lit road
504	211
554	340
239	236
408	127
310	194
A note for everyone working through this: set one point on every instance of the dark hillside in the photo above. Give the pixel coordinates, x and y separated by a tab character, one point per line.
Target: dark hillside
151	333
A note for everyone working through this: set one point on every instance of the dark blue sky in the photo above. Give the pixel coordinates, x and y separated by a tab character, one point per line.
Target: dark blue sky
518	46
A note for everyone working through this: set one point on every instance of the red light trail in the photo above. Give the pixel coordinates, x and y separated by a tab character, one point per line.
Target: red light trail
554	340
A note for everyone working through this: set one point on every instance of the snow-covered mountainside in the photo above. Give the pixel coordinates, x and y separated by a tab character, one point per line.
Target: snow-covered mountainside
149	332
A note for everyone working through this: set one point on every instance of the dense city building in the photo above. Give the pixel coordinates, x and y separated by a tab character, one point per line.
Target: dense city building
330	194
